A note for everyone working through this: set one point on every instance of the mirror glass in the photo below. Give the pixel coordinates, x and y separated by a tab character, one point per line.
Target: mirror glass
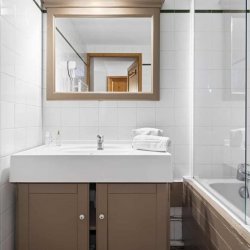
103	54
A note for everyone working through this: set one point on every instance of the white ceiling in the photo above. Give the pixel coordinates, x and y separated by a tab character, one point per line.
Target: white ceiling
110	31
112	64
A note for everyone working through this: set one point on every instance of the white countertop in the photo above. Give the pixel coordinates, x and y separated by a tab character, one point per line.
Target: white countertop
79	163
87	149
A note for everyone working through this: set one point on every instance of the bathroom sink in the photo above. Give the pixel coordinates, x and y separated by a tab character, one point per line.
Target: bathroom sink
92	149
84	163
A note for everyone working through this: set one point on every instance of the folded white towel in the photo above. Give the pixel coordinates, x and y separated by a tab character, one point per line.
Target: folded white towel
237	137
148	131
151	143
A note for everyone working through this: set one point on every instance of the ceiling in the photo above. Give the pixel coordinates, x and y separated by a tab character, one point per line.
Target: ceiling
109	31
103	3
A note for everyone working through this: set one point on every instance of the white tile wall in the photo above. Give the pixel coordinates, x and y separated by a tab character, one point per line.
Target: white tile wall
216	111
116	119
20	97
219	4
21	93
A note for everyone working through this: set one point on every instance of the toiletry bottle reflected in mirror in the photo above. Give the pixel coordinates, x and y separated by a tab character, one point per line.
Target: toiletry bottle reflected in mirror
71	67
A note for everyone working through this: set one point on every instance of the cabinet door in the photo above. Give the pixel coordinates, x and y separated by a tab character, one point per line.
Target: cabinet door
49	217
136	216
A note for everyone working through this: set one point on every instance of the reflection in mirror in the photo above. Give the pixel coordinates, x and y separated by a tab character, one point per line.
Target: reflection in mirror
103	55
114	72
238	57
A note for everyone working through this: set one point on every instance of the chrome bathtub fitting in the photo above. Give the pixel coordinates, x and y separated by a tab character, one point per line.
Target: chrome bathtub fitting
243	192
100	141
243	172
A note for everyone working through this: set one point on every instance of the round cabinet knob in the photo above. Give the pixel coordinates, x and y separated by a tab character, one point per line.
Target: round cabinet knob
101	217
82	217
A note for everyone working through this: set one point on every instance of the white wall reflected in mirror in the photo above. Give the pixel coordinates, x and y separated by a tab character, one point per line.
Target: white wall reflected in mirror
238	56
76	38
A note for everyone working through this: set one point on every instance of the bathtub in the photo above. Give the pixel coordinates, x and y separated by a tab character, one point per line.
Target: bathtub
226	193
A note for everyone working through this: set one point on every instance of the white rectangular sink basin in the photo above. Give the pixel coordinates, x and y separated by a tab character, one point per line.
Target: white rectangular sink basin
79	163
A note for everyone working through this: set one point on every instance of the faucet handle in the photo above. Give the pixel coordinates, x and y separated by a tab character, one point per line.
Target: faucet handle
100	137
244	169
243	172
100	140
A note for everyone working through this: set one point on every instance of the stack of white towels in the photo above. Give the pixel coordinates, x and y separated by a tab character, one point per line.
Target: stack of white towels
150	139
237	138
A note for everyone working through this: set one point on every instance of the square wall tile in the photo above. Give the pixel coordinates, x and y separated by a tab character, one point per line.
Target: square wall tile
89	133
20	116
164	117
145	117
108	117
7	84
109	133
70	133
89	116
70	117
7	142
7	115
126	117
125	133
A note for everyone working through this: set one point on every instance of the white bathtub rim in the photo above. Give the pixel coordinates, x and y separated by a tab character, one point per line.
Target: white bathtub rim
219	203
233	209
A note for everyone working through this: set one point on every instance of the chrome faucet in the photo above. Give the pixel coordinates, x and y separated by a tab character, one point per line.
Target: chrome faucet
243	172
100	141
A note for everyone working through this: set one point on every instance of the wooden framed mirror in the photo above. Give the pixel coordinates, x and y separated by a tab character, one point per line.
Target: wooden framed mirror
103	53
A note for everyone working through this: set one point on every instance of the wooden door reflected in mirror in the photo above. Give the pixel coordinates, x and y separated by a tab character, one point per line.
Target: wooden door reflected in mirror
117	83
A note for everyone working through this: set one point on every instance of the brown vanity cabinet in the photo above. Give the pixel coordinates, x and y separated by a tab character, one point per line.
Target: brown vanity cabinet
127	216
48	217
